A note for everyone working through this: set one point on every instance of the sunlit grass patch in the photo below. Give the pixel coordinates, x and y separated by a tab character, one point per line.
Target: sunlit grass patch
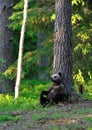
28	98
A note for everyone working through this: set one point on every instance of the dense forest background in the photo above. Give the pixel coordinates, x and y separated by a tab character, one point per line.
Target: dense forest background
39	41
38	44
26	112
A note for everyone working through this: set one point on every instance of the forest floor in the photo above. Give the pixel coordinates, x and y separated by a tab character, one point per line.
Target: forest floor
68	116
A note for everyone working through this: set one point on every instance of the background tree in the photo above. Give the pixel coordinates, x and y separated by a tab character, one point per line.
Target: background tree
39	20
6	42
19	67
41	16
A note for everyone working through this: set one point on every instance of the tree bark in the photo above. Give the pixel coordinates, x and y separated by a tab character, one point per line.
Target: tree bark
63	44
6	42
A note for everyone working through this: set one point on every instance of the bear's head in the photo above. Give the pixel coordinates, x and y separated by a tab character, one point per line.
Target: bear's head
56	78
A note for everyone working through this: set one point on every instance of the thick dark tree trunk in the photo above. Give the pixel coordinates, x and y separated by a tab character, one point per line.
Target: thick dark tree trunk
6	41
63	41
63	44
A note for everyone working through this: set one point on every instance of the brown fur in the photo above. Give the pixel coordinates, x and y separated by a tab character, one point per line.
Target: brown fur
55	94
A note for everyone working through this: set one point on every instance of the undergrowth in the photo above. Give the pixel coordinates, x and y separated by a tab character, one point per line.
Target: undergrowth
29	96
29	100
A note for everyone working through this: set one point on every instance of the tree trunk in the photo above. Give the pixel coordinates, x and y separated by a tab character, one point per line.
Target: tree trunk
63	44
19	67
6	42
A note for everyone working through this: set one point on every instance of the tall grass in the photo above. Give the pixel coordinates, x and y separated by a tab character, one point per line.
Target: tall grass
29	96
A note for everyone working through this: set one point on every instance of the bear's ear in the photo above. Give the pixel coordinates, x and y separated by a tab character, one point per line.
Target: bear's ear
60	74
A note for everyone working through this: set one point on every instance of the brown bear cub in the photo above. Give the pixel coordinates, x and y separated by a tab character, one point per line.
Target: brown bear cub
56	93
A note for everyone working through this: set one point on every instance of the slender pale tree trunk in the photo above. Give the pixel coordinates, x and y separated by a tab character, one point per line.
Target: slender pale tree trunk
63	44
19	66
6	43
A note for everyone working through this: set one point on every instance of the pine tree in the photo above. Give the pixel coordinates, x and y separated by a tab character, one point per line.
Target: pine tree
63	45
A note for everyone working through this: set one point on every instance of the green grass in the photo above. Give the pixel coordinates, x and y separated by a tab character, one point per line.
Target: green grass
29	96
29	100
61	119
4	118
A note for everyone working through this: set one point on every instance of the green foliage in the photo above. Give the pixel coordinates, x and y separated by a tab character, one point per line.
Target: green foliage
89	119
82	33
29	96
11	71
4	118
29	100
77	2
89	90
76	18
31	61
79	77
40	20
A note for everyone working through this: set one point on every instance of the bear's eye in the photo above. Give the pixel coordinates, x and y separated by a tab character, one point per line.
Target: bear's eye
55	77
